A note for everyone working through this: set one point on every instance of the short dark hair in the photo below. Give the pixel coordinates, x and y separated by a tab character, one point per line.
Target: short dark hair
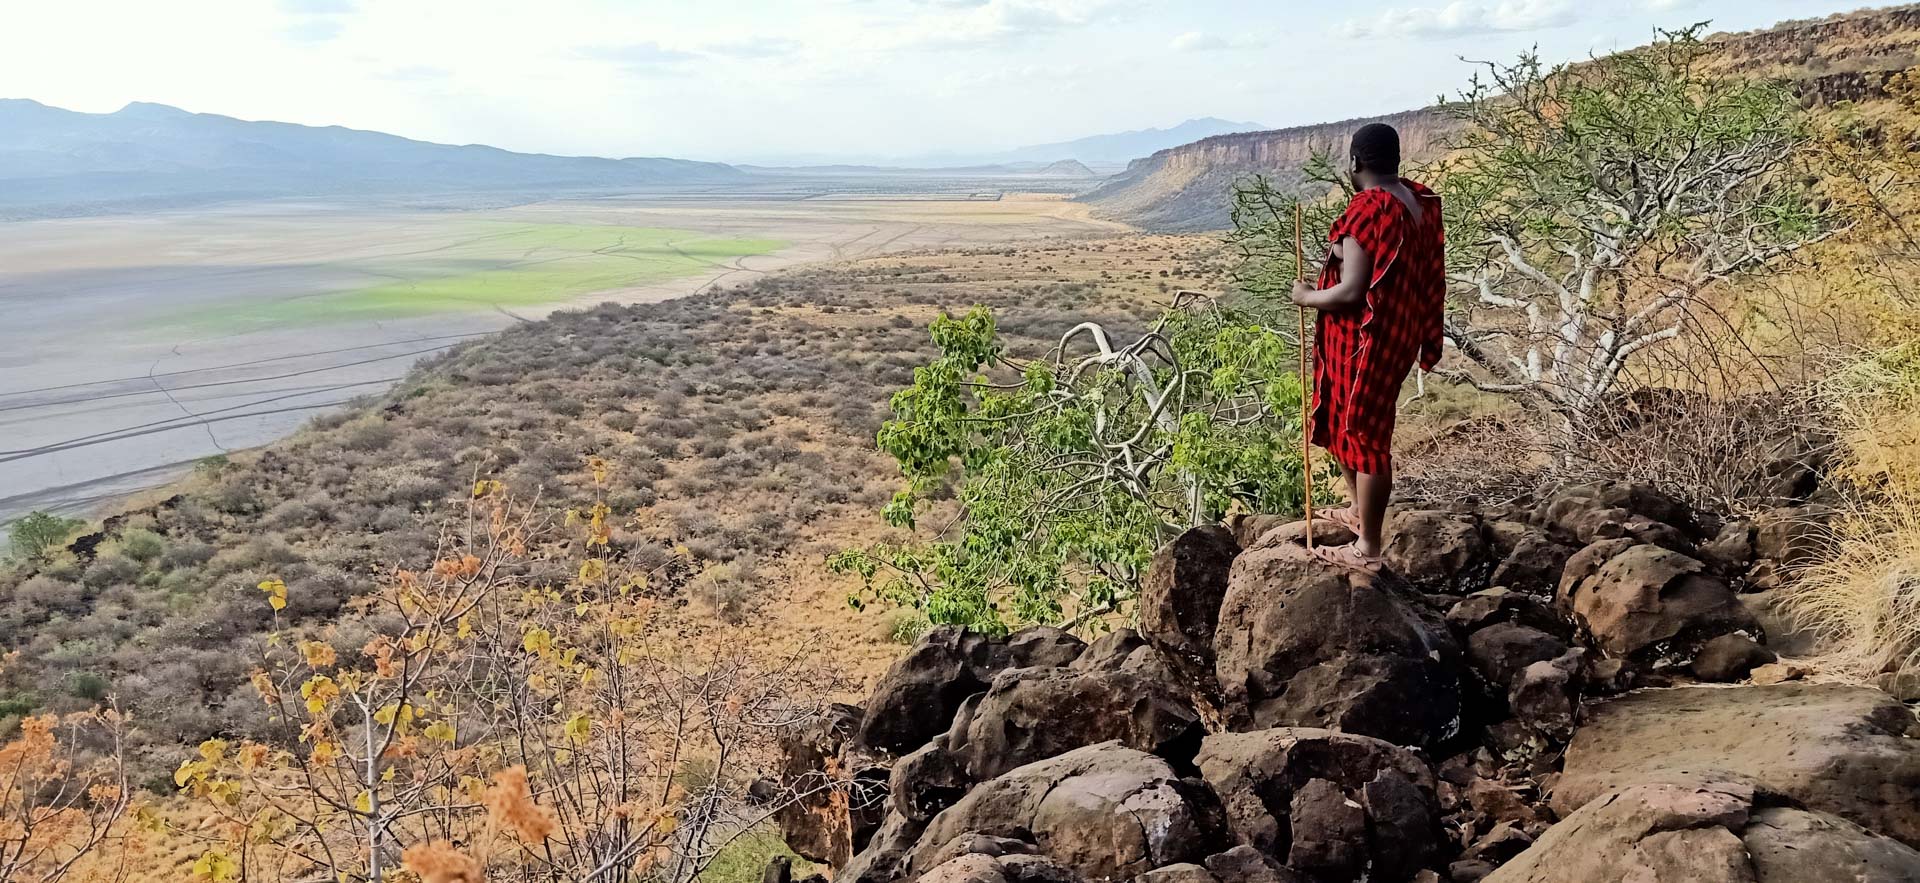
1376	147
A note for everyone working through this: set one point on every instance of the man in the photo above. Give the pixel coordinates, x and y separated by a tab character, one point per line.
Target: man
1379	299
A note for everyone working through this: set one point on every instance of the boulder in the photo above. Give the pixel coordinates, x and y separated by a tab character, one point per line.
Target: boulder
1729	658
1118	649
1325	803
1180	596
1710	833
916	698
1499	651
1103	812
1179	872
1785	634
1500	604
1529	559
1244	864
975	867
1792	845
1643	600
1435	550
1032	714
1587	514
1839	749
1301	643
927	781
884	859
1731	550
1545	696
1042	646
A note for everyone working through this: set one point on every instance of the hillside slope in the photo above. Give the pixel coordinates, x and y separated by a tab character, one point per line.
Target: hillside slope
55	162
1839	58
737	427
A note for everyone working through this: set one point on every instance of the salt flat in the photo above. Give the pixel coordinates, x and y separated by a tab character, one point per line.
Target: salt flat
133	346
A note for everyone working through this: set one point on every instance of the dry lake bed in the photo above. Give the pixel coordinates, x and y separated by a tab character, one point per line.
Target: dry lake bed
133	346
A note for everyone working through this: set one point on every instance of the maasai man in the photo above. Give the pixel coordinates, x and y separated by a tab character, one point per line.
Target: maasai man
1379	299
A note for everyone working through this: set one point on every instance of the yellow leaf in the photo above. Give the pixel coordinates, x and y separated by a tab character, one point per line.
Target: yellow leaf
579	727
215	866
440	730
363	803
537	640
277	602
213	749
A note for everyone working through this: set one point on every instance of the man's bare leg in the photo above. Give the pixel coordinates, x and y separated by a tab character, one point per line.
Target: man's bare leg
1371	491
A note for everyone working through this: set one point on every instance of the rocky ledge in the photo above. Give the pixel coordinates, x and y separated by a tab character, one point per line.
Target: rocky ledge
1538	693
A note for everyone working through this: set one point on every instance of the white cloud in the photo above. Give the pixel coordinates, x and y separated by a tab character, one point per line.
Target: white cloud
1465	17
1194	41
1201	41
993	21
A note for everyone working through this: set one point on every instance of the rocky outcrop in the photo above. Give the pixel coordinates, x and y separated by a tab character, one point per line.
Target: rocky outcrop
1105	811
1302	644
1324	803
1711	833
1845	750
1282	721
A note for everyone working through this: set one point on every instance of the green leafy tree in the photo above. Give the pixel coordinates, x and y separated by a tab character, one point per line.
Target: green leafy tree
1593	209
1068	470
36	534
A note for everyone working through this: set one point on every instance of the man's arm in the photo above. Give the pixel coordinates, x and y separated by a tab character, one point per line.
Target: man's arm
1356	271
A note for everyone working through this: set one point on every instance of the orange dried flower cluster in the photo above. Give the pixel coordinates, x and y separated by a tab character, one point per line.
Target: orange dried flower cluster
510	805
441	863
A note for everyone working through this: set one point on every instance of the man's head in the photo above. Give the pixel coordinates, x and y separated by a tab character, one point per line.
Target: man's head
1376	150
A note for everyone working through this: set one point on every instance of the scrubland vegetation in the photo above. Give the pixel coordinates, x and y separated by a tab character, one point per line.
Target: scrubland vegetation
537	613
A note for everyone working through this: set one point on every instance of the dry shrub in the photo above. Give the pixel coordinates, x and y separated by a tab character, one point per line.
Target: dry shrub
1863	596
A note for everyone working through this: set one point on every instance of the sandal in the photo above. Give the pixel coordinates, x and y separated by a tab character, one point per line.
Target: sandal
1343	516
1349	557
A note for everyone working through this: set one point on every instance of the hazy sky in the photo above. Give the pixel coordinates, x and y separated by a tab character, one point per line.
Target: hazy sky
746	79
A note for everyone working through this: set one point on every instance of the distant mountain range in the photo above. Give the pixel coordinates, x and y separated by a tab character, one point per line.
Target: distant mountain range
1103	153
62	162
1122	147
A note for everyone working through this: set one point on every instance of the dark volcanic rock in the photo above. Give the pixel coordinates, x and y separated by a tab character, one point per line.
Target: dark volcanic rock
1545	695
917	697
1530	560
1261	777
1035	713
927	781
1043	646
1827	747
1729	658
1435	550
1710	833
1180	596
1104	812
1244	864
1303	644
1499	604
1499	651
1631	599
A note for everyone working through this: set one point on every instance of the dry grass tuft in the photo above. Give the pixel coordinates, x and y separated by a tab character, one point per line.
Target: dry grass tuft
1863	597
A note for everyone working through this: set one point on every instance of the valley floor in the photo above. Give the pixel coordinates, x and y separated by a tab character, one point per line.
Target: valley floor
137	345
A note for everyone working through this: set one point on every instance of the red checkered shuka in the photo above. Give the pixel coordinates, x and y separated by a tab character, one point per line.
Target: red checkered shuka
1363	354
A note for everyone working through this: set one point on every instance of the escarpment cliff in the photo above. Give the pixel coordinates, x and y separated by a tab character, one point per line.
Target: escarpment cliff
1184	188
1843	58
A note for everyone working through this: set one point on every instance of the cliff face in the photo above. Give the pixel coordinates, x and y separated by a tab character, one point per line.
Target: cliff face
1186	188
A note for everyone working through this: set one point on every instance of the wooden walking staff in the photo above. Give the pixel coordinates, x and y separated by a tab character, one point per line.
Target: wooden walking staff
1306	379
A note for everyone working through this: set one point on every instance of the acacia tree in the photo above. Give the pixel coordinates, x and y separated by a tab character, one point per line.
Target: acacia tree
1069	469
1593	208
